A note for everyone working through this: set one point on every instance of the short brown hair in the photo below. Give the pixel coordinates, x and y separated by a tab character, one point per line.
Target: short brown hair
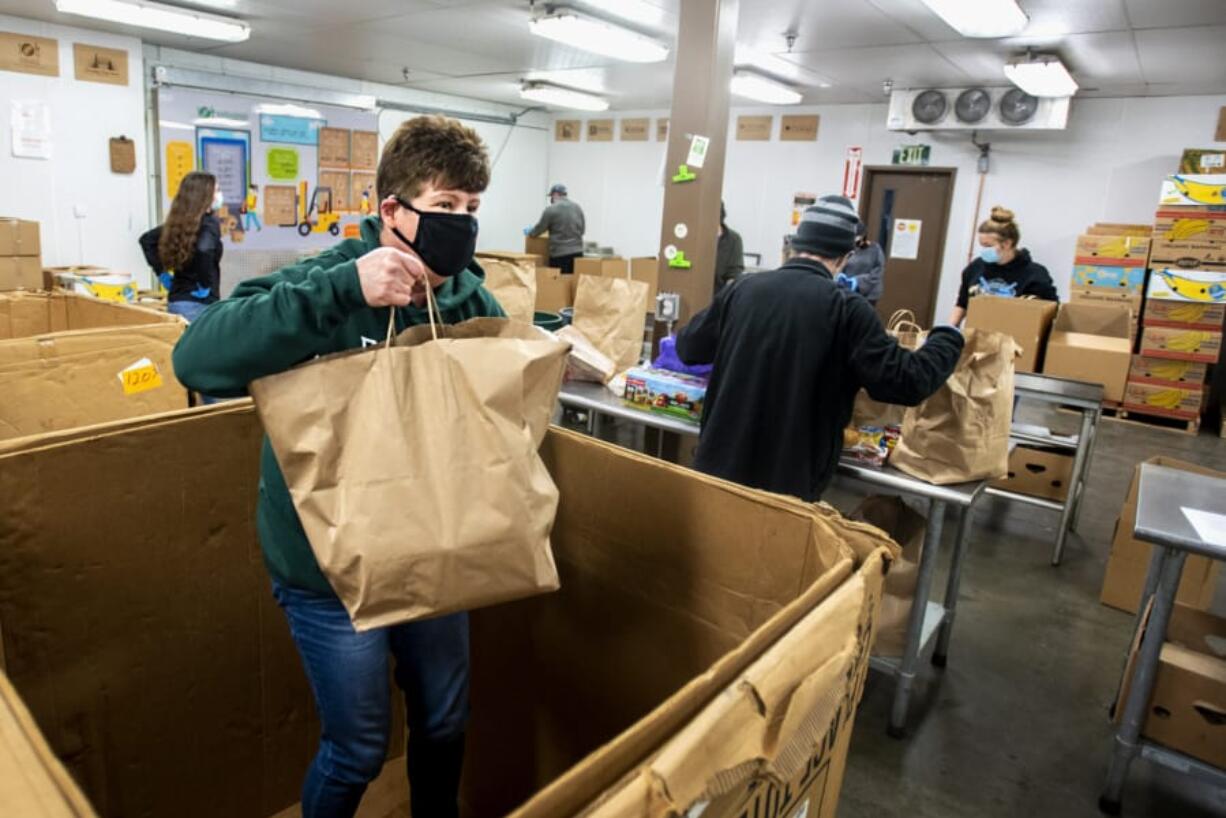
1002	225
432	149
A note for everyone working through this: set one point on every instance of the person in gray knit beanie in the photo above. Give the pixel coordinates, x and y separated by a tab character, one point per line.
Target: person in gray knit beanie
827	229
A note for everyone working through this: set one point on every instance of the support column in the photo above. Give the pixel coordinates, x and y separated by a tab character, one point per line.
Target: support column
706	41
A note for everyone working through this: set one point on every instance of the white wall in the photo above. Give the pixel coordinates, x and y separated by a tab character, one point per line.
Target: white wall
1107	166
84	116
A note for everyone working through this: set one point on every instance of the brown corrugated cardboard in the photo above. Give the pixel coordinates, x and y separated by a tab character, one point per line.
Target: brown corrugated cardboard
1187	708
554	290
661	662
1027	320
537	246
1091	343
608	266
1099	295
1038	473
1188	255
1182	314
1129	561
21	273
1120	248
33	782
1203	225
1113	229
137	619
1181	344
68	360
511	255
19	237
647	269
1182	402
1166	372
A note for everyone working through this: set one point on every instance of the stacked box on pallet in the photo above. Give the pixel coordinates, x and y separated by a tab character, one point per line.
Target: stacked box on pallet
1110	268
1185	303
20	255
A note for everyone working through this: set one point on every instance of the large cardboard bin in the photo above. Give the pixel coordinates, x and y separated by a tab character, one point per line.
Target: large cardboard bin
1027	320
68	361
708	642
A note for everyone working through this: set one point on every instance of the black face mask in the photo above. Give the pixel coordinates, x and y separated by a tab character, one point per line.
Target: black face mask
446	242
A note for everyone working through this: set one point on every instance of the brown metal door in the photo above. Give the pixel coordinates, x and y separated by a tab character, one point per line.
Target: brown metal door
911	195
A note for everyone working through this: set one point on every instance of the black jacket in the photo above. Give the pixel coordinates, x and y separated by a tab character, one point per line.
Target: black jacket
729	258
203	270
1022	275
790	351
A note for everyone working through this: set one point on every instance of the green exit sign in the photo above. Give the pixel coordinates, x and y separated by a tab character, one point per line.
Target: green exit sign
912	154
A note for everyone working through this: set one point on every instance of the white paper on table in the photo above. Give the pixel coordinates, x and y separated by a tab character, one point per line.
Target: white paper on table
1209	527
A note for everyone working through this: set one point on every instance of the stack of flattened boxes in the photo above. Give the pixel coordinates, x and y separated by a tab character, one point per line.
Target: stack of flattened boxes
1185	301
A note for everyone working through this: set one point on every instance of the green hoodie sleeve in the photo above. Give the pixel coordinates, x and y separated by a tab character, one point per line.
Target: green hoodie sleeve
268	325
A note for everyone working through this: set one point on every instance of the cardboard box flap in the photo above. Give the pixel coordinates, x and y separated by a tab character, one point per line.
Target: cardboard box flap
1110	320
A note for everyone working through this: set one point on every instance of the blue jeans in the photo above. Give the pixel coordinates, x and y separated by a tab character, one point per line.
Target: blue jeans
348	675
249	218
190	310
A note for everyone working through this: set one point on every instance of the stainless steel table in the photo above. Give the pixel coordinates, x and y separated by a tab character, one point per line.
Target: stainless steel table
1087	398
931	623
1162	496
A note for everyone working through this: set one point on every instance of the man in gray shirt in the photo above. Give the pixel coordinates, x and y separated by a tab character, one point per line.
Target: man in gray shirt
563	220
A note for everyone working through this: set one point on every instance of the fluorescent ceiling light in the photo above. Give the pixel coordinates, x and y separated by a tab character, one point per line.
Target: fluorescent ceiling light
1043	76
561	97
288	109
220	122
144	14
981	18
636	11
776	66
599	37
757	87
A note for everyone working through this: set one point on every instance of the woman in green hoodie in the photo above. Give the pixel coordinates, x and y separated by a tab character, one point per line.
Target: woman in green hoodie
430	179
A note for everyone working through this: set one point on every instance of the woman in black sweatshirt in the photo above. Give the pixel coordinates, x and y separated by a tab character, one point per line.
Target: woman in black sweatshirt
185	251
1001	268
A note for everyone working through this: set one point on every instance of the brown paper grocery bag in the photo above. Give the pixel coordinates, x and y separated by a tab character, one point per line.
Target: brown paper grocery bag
907	528
961	433
513	283
609	312
414	466
869	412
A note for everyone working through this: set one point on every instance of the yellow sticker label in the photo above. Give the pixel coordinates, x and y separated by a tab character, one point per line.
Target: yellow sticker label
140	379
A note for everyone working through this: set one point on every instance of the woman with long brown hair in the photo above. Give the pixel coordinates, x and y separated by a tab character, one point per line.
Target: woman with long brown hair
185	251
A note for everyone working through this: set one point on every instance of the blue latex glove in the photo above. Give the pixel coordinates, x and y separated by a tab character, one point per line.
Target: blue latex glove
201	292
166	278
527	231
846	282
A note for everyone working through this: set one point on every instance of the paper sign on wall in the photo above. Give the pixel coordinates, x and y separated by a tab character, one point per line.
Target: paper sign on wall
566	130
282	164
600	130
635	130
698	151
31	129
801	128
853	171
754	128
180	161
906	239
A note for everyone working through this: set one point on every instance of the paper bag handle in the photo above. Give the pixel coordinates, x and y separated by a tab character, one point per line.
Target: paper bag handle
901	317
431	309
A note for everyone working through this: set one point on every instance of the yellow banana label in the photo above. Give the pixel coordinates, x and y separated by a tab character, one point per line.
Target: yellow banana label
1200	192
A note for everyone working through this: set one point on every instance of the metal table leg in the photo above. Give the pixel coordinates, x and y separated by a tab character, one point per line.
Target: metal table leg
1127	736
1079	464
1097	416
961	538
915	625
593	423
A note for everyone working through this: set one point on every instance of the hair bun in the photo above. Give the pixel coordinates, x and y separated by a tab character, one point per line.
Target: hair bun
1002	214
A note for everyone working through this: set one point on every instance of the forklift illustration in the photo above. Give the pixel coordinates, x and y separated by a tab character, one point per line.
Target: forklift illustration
326	218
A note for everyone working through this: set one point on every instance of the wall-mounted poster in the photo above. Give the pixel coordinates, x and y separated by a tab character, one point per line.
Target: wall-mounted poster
29	55
567	130
362	193
799	128
600	130
292	130
224	154
334	147
635	130
96	64
364	150
180	161
754	128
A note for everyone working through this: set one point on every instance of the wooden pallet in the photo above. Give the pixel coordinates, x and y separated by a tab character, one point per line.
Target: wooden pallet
1132	416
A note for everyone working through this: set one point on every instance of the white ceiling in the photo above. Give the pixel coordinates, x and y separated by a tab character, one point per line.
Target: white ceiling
482	48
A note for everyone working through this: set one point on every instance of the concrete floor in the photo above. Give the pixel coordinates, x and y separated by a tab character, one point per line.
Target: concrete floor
1017	725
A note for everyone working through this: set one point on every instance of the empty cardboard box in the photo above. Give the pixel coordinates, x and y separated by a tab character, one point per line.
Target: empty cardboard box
1027	320
1092	343
19	237
554	290
1130	557
1037	472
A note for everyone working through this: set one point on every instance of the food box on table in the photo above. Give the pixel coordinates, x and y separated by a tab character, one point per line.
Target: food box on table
668	393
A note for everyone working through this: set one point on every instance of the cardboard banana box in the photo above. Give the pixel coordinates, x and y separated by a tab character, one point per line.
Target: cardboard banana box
1193	189
1190	225
1113	277
1187	299
1165	372
1190	255
1121	250
1168	401
1179	314
1181	344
